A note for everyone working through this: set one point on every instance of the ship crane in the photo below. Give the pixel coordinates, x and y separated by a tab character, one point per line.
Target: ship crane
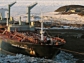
9	6
29	8
8	14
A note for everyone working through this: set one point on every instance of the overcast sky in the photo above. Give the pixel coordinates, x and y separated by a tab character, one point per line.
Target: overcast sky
43	5
40	2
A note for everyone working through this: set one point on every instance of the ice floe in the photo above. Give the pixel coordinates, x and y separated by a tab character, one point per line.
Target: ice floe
62	57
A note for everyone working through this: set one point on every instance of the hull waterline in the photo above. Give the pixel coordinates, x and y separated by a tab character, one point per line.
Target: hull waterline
44	51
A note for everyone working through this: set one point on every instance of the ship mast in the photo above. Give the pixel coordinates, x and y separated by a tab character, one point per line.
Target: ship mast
7	23
41	32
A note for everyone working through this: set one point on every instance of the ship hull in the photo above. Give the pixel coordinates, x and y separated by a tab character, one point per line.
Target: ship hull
37	50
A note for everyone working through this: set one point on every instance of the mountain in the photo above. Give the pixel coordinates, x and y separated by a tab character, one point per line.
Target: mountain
71	9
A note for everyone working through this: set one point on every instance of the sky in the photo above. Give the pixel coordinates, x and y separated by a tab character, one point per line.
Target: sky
43	5
40	2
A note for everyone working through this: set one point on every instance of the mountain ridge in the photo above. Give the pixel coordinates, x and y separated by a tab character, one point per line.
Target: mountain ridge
71	9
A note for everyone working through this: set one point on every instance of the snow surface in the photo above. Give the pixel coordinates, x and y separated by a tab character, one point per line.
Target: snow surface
62	57
72	18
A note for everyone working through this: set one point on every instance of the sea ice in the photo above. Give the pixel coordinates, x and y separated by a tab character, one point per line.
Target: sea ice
62	57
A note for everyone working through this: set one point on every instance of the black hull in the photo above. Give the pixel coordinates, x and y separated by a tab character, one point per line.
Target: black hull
44	51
